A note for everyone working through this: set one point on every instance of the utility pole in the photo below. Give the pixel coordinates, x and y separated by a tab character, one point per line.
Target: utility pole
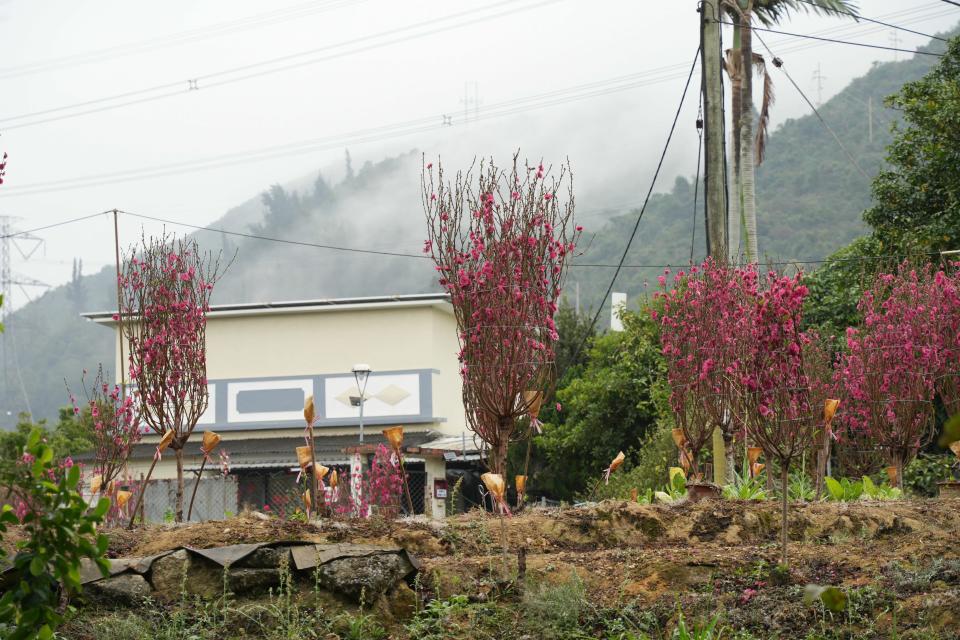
715	168
714	173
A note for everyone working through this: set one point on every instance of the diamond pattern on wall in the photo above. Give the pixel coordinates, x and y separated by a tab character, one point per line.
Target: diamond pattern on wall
392	395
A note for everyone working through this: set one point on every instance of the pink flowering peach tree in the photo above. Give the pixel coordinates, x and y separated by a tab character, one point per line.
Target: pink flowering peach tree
166	286
501	241
704	320
777	390
892	364
116	428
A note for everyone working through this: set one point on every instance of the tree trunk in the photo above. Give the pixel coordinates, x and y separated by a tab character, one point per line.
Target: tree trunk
729	449
178	517
784	483
734	233
749	212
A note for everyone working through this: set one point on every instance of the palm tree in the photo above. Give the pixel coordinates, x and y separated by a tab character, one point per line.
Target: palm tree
741	62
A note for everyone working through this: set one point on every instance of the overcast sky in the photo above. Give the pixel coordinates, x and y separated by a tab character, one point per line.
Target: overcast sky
374	64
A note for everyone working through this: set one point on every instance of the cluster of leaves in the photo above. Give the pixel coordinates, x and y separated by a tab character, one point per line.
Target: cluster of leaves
617	402
847	490
60	531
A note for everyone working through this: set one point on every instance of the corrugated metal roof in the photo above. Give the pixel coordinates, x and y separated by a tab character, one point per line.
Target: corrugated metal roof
280	449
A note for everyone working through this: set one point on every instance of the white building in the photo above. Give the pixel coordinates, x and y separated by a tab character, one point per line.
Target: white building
264	360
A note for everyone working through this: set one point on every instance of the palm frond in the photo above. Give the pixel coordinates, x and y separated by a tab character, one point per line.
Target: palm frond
769	98
770	12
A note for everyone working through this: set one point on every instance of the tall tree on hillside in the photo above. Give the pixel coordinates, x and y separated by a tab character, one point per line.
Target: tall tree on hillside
741	60
918	195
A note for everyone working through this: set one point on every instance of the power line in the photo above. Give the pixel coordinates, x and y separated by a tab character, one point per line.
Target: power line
857	16
51	226
636	225
268	18
956	4
836	41
193	84
435	122
777	62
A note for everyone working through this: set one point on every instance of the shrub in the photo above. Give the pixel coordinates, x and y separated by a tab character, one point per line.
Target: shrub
59	530
925	471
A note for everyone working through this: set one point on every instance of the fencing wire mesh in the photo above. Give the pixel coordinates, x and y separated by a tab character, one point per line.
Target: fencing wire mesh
216	499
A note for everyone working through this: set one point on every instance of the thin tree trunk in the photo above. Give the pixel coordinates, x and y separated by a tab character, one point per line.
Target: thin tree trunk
784	481
179	511
728	447
735	231
746	141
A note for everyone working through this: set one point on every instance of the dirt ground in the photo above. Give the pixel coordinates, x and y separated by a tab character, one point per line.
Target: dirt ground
899	561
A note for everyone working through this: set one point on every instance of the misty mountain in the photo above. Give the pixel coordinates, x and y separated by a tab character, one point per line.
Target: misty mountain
810	198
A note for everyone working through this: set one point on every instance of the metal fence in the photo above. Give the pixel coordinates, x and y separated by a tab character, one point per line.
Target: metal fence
216	499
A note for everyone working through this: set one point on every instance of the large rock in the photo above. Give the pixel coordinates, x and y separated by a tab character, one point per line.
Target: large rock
124	589
365	577
181	572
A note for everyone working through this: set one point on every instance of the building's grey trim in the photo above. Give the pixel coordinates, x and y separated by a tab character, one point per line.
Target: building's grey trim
330	424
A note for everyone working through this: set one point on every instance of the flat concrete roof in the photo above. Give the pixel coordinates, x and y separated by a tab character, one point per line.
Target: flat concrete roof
440	300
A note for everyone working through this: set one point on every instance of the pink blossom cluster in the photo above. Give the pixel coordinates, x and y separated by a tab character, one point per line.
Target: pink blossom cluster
116	426
166	289
903	354
381	487
705	317
501	247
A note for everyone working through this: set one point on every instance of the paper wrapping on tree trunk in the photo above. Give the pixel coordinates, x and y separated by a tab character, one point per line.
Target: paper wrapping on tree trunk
123	497
95	483
320	472
679	438
753	454
394	436
533	400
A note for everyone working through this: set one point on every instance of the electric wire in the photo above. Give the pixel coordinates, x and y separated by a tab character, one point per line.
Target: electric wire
643	208
52	226
837	41
188	85
215	30
696	181
370	134
778	63
857	16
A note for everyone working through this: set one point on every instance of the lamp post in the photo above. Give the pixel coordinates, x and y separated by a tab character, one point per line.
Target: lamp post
361	373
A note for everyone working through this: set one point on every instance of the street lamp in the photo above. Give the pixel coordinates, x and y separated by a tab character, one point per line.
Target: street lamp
361	373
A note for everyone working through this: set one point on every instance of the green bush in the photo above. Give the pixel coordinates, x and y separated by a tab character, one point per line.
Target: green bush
921	476
60	530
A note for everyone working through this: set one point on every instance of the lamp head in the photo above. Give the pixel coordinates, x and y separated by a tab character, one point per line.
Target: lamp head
361	372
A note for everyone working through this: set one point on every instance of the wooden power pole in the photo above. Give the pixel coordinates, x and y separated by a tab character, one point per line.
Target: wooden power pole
714	175
715	169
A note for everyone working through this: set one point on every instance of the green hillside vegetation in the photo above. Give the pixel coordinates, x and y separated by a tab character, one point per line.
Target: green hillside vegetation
810	204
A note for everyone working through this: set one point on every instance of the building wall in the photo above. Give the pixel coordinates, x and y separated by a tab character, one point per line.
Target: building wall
392	337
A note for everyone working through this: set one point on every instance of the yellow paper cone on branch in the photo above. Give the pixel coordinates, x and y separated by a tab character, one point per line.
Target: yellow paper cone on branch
521	483
955	447
614	465
210	441
753	454
165	440
309	413
892	475
303	457
306	500
679	438
320	472
95	483
494	484
394	436
533	400
123	497
333	479
829	410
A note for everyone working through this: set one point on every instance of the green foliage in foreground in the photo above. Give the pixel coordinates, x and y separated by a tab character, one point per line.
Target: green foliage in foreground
615	405
60	531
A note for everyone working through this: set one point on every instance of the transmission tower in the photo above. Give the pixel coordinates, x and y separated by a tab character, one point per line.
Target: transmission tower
819	78
26	244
